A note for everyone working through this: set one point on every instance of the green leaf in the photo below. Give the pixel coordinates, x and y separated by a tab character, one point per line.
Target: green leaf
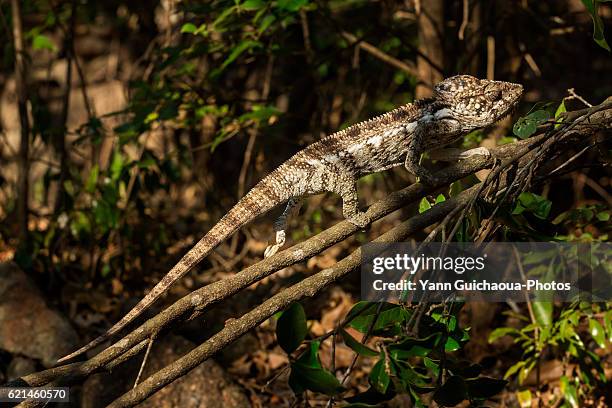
569	392
543	313
365	308
597	332
560	109
291	328
304	377
42	42
452	392
310	357
266	22
424	205
513	369
533	203
440	198
260	113
413	347
608	324
223	16
432	365
527	125
537	257
524	398
116	165
92	180
598	27
394	315
80	227
243	46
408	375
484	387
451	345
251	5
291	5
379	378
357	346
189	28
524	372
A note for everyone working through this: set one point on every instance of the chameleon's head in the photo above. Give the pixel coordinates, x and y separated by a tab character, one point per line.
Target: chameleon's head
477	103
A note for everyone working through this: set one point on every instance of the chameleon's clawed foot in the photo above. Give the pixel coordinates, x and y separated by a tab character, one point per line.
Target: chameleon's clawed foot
271	250
361	219
280	241
422	173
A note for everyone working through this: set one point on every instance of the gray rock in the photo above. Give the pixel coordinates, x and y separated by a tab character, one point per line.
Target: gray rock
20	366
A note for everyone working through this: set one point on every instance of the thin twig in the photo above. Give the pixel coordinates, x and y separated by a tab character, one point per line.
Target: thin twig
574	95
144	360
464	22
408	68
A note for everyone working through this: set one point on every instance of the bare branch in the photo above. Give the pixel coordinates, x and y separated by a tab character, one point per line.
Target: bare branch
408	68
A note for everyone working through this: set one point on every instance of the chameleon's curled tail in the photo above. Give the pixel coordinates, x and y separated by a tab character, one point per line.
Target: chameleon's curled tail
258	201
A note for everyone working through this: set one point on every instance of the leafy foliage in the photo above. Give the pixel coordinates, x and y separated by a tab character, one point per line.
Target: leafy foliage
598	27
404	363
560	336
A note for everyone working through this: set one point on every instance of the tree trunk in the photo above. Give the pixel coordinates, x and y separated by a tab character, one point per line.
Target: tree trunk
20	78
430	19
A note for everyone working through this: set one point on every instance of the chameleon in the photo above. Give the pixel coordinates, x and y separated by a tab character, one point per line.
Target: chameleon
458	105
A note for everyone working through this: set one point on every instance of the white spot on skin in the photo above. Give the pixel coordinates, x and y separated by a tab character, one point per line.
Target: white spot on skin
376	140
355	148
313	162
331	158
410	127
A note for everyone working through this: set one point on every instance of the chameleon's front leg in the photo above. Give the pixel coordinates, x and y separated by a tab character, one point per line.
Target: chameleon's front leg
413	157
280	226
453	155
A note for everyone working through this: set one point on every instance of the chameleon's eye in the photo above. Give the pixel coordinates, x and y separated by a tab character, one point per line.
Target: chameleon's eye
494	95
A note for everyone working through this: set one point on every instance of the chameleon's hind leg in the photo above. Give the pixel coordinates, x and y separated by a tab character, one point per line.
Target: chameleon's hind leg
280	226
350	203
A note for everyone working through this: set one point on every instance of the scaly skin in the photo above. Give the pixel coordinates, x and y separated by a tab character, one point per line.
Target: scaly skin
459	105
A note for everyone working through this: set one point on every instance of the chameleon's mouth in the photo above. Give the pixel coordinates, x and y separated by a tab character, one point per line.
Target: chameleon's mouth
516	92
